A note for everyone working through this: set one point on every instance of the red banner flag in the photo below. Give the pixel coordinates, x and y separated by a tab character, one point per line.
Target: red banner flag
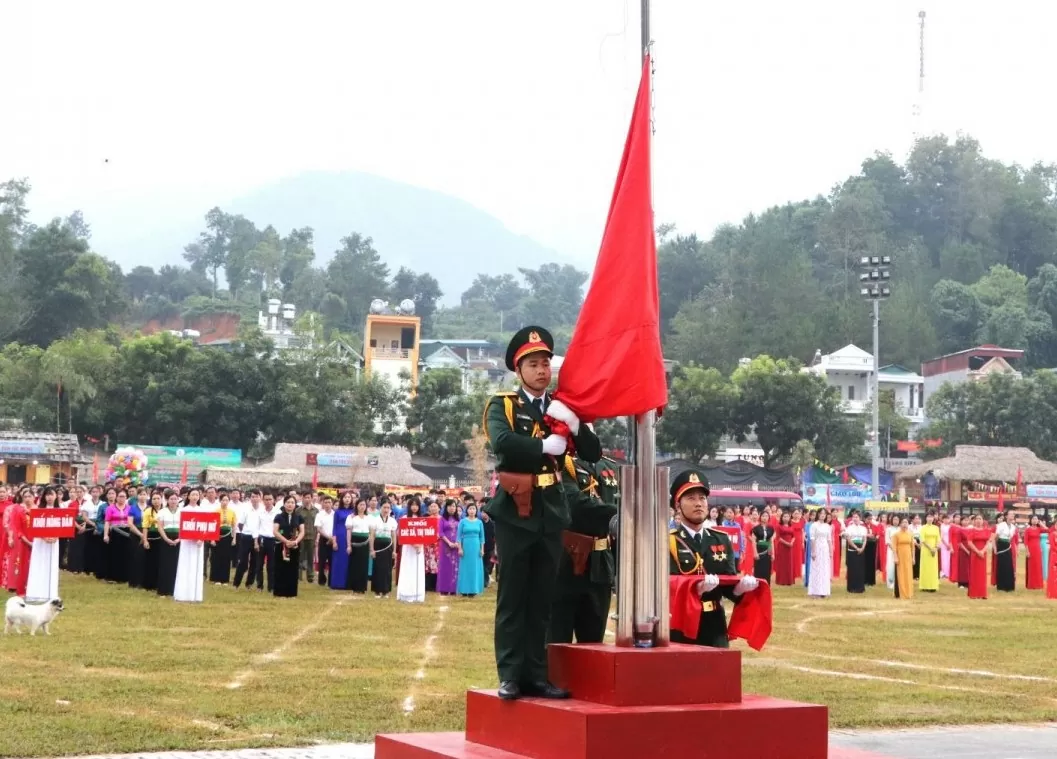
614	365
315	477
183	474
418	531
52	523
199	525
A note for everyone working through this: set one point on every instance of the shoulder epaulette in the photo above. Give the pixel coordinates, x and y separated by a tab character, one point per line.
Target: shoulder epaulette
507	396
673	532
717	531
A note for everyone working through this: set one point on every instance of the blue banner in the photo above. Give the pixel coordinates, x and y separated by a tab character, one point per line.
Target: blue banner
837	495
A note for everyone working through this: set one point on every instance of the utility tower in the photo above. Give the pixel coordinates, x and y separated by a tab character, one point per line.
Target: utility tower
919	103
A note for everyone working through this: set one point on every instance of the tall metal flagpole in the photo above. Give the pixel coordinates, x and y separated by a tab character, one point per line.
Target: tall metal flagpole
642	574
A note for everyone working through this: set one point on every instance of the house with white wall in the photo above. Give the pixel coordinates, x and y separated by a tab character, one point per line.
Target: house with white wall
850	370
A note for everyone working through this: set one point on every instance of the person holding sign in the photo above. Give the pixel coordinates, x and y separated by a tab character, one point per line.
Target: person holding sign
411	583
190	568
43	581
288	528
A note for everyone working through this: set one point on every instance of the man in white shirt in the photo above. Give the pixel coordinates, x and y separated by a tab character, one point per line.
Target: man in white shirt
246	545
211	502
266	542
325	542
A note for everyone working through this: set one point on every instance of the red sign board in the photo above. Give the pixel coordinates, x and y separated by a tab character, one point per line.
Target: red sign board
735	536
199	525
52	523
418	531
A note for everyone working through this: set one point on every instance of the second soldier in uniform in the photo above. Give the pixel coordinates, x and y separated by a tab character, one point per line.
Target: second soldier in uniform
705	551
585	580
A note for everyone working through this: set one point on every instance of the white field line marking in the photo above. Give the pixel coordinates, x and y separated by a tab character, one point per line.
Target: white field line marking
896	680
801	626
925	667
429	653
244	676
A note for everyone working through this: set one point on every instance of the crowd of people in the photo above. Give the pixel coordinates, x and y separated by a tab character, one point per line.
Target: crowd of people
792	545
268	540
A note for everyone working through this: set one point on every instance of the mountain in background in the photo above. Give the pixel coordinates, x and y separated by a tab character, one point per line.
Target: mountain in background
425	230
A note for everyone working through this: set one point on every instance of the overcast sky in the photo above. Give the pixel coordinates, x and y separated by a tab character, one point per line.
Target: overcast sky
517	107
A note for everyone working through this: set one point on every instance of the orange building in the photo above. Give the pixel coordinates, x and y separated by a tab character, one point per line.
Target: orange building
391	342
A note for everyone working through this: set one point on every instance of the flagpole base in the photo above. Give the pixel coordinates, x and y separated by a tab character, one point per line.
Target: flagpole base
629	704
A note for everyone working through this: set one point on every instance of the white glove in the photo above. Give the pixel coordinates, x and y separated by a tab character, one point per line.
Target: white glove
710	582
554	445
746	584
563	413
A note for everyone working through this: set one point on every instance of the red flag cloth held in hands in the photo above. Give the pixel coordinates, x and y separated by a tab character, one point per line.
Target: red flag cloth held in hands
558	427
751	620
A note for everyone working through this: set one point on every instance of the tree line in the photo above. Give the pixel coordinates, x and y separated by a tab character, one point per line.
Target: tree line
973	243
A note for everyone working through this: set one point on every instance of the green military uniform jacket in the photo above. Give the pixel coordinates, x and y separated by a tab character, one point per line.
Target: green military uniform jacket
607	475
711	554
590	514
308	516
515	431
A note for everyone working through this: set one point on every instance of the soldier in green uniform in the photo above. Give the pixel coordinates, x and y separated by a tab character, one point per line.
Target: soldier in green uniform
530	511
585	579
696	549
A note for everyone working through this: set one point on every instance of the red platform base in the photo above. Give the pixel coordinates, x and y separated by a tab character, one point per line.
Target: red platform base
672	676
679	701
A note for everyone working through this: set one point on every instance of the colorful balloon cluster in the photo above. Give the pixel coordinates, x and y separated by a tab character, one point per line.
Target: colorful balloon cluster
127	466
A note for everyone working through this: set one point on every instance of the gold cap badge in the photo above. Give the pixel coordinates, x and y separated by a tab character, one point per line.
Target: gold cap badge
534	337
694	477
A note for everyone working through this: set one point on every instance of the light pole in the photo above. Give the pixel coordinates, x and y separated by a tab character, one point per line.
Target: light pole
874	286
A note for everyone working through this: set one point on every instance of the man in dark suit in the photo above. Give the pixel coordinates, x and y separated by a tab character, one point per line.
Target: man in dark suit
530	511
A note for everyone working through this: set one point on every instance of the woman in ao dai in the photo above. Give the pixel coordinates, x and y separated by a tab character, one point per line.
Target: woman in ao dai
411	585
821	571
190	569
890	558
43	581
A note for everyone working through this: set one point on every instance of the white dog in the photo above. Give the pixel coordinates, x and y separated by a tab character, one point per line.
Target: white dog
19	614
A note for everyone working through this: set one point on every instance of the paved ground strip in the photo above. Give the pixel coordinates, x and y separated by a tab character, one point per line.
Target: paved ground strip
978	742
981	742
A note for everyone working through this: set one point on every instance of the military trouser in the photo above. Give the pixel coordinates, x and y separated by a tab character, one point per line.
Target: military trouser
528	572
711	633
581	610
308	558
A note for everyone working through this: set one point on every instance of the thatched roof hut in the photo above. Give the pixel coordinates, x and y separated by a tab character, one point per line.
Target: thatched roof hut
236	477
18	447
343	465
986	463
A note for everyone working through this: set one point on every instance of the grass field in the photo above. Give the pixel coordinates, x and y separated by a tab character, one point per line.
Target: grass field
128	671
